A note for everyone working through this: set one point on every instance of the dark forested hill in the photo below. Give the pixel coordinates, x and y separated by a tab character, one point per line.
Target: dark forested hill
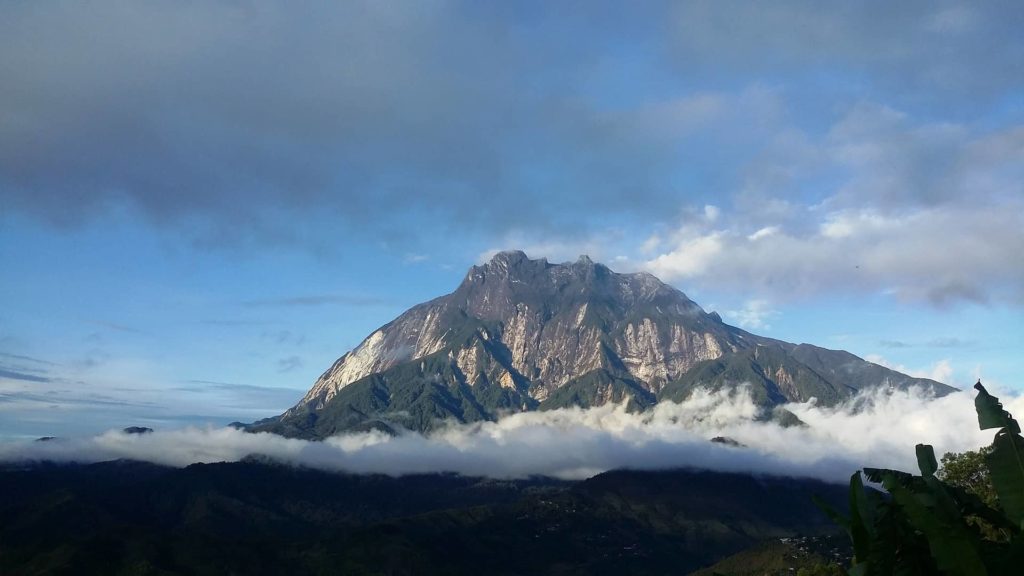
257	518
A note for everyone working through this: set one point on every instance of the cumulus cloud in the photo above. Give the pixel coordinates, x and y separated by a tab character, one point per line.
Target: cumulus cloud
938	255
577	443
878	203
924	212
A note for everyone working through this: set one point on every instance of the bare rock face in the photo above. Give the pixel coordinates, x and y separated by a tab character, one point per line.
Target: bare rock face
521	334
556	322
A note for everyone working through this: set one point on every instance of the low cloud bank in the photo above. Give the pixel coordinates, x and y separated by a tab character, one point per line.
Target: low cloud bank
875	429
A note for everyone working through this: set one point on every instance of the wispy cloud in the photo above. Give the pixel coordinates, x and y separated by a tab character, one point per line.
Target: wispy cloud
66	402
27	368
950	342
206	385
288	364
895	344
83	399
283	337
22	376
314	300
241	400
413	258
233	322
27	359
116	327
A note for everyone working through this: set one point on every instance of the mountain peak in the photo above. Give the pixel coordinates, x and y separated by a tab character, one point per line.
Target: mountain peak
504	266
588	267
508	258
511	277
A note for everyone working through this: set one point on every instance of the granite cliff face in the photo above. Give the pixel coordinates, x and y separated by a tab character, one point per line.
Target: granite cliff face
520	334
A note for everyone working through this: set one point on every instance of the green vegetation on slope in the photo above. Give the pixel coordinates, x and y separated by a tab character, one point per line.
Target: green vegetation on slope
804	556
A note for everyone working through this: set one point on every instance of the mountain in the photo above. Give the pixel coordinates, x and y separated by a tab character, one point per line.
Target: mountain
520	334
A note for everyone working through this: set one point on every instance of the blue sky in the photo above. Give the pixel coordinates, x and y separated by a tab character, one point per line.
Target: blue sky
202	205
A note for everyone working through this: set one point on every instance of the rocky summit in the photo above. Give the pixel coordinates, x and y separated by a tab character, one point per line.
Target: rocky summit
521	334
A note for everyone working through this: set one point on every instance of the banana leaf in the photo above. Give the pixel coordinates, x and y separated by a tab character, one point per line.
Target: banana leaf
926	460
1006	466
991	413
929	509
1006	460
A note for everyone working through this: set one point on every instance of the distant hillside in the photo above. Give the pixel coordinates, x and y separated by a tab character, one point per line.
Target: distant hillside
253	518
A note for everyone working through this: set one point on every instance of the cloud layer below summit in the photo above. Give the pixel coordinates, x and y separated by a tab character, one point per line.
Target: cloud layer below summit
575	443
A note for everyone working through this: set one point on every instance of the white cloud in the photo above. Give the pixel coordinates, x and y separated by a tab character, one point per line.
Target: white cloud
941	371
576	443
413	258
651	244
763	233
938	255
692	256
847	224
754	315
878	203
599	247
126	392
